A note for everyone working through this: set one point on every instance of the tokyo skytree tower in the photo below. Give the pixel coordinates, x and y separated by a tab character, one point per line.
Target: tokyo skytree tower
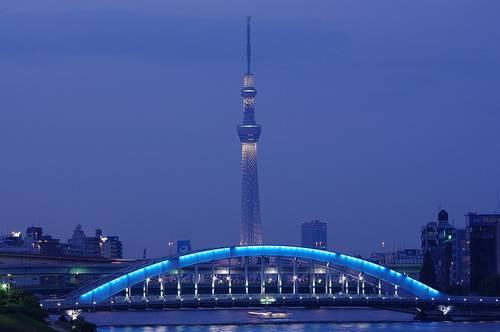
249	133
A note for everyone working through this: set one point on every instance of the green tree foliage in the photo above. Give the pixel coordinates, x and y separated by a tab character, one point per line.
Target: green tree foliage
490	286
428	274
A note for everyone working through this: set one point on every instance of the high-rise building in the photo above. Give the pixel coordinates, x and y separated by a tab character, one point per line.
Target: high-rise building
483	248
314	234
458	252
436	237
112	247
94	246
249	133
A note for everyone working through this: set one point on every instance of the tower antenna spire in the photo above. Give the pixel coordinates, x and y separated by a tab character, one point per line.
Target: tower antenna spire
248	44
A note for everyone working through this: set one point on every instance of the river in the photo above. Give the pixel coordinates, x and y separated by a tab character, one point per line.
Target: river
300	320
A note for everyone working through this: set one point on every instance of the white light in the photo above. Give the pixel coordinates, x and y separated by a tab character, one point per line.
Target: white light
159	279
58	304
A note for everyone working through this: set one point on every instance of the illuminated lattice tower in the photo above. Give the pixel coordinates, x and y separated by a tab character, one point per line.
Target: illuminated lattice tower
249	133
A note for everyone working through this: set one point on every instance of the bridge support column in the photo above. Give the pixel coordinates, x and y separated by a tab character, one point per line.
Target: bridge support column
262	281
294	276
127	294
246	274
280	290
357	285
379	287
363	285
347	286
213	279
145	289
312	281
342	283
327	274
229	277
329	282
196	280
396	290
178	274
162	289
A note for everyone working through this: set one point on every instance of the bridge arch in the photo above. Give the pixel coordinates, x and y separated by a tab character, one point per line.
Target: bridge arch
107	288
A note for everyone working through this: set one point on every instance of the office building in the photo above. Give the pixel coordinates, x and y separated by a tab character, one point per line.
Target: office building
436	237
458	250
94	246
482	258
314	234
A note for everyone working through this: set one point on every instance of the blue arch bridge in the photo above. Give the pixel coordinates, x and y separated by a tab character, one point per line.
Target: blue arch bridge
265	275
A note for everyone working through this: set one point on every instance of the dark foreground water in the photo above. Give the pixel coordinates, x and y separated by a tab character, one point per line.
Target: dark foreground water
237	320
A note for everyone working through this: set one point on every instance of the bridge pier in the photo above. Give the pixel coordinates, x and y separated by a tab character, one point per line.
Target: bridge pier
213	279
379	287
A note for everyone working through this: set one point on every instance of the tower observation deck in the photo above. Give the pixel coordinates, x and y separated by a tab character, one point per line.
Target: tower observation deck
249	133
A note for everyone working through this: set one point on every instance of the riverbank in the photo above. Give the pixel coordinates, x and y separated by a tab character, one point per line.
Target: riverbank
14	322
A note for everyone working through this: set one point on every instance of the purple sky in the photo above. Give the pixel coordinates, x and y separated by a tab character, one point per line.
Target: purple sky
122	115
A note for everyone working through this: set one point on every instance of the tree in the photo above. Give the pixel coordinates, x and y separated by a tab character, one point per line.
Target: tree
490	286
428	274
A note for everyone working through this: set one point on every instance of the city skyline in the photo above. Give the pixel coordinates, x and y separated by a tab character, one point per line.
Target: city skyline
365	126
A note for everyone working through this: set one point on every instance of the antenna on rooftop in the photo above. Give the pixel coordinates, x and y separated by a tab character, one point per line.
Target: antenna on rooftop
248	44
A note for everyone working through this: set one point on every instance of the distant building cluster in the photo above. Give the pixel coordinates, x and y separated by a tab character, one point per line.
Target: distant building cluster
463	258
450	258
314	234
80	245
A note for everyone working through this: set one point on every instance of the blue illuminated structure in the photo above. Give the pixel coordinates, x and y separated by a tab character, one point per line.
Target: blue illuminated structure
111	287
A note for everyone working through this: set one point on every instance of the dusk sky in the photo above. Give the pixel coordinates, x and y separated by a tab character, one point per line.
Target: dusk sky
122	115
